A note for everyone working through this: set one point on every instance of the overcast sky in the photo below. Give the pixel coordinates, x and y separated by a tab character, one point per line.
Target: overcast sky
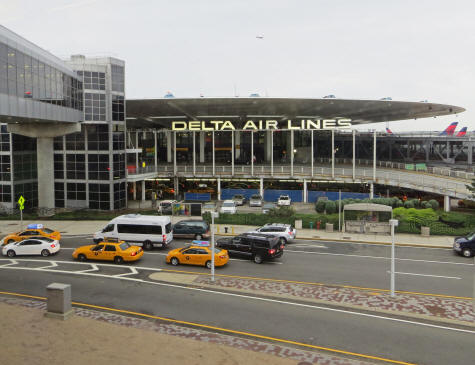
408	50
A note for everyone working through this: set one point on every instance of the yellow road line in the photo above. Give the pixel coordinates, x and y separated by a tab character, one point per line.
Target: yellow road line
248	334
317	284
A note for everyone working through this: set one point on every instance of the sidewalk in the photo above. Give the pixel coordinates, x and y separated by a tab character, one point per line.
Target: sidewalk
89	227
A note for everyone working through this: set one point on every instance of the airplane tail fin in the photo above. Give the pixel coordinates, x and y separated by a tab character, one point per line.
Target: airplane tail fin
462	132
449	131
388	131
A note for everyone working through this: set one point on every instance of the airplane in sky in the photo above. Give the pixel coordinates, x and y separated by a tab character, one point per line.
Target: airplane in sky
449	131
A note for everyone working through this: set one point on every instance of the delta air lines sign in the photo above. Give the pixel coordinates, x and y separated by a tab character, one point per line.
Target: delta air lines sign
222	125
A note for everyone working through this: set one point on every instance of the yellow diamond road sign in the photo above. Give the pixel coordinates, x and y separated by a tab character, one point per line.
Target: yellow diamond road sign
21	201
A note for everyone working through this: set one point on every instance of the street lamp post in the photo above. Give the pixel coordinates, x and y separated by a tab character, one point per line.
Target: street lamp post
393	223
213	214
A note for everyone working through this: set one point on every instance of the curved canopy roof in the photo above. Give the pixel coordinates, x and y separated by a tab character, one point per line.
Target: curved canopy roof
160	112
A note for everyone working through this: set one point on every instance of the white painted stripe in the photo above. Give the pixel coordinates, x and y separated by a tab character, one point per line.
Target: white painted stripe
94	268
214	292
307	245
53	264
381	257
12	262
434	276
133	271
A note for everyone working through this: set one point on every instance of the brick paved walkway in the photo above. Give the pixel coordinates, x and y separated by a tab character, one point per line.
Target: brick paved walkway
429	307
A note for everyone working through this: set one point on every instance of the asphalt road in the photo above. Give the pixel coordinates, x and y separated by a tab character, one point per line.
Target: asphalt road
435	271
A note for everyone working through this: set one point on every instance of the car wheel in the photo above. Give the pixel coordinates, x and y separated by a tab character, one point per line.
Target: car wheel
208	264
118	260
45	253
82	257
283	241
467	252
147	245
11	253
198	237
174	261
10	241
258	259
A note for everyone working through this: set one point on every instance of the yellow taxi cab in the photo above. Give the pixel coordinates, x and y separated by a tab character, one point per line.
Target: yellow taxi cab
109	250
198	253
32	230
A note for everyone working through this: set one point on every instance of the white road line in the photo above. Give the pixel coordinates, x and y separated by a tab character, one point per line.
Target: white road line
94	268
12	262
133	271
381	257
434	276
345	311
53	264
307	245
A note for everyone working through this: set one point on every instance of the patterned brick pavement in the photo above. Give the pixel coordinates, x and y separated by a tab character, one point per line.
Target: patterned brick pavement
431	307
163	327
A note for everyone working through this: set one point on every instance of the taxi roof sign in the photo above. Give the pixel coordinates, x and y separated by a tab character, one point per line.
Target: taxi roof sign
200	243
35	226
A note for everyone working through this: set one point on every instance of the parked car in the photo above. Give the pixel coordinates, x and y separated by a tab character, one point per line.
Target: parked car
165	207
260	247
43	246
239	199
208	208
228	207
255	201
31	231
109	250
465	246
198	253
191	228
267	207
285	232
283	200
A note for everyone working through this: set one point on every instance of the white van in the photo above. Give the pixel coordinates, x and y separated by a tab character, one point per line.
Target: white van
143	230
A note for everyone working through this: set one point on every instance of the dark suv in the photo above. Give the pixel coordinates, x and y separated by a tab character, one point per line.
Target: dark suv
465	246
191	229
259	247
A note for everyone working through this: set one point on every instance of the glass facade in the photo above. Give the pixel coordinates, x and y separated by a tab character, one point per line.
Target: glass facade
27	77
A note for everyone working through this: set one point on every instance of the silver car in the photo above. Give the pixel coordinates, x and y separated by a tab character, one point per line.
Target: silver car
255	201
285	232
239	199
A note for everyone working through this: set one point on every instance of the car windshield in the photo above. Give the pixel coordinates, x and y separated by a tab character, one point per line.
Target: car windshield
284	198
47	230
471	236
228	205
237	196
256	197
209	206
47	239
124	246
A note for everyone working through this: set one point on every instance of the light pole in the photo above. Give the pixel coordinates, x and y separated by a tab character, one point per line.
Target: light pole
393	223
213	214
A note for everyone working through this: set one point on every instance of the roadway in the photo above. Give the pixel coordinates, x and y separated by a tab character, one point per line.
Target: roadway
357	331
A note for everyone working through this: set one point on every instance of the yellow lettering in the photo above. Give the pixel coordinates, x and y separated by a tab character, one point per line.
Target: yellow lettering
313	125
178	126
328	124
290	126
194	125
344	123
216	124
250	125
272	124
227	125
205	128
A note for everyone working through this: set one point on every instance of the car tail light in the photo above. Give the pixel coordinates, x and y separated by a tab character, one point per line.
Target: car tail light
271	251
133	253
53	245
281	247
164	238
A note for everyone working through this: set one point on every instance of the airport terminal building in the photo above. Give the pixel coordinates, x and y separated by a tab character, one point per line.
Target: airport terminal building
71	140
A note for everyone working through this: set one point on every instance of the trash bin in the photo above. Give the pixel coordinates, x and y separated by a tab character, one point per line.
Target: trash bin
311	225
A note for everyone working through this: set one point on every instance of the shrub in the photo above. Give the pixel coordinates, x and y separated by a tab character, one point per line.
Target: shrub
409	204
416	202
425	205
434	204
320	206
282	211
330	207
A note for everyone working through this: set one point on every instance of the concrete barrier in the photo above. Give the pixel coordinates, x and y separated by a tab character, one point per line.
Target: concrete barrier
425	231
58	301
329	227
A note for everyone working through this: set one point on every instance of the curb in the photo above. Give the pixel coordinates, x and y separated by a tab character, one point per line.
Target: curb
354	241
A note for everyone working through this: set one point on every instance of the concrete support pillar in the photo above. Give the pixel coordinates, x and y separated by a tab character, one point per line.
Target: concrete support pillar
237	144
371	191
261	187
168	135
193	134
470	153
291	152
45	162
252	153
447	150
176	187
272	153
155	149
305	199
143	190
354	154
427	150
219	188
333	153
174	154
446	203
202	147
374	156
134	194
214	164
137	165
311	152
268	146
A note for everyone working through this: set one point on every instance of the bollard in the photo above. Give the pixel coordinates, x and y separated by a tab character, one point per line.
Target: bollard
217	229
232	230
311	224
58	301
225	229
